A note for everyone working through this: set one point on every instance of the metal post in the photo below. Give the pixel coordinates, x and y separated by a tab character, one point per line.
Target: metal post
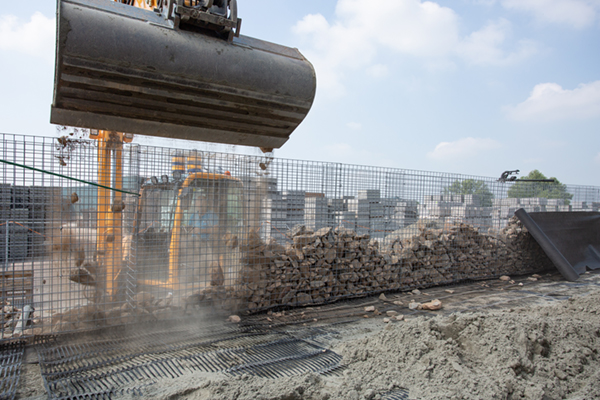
6	246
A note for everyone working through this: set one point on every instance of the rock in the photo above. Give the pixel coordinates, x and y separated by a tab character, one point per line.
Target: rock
391	313
398	303
216	276
82	276
287	298
330	256
449	291
432	305
537	276
532	279
234	319
369	308
505	278
399	317
560	374
143	299
386	320
382	297
297	230
304	298
413	305
338	263
303	240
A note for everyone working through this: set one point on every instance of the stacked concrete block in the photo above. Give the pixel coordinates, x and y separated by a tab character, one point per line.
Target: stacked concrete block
581	206
553	204
433	209
405	213
5	201
362	208
534	201
472	199
347	219
295	206
29	212
316	213
502	210
275	213
336	205
373	195
456	209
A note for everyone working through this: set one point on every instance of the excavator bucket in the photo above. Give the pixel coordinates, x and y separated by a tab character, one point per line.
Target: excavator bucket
122	68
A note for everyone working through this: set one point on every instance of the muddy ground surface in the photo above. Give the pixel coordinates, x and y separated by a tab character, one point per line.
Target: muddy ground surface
524	338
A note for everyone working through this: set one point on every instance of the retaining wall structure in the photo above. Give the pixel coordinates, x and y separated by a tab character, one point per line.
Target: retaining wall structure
283	233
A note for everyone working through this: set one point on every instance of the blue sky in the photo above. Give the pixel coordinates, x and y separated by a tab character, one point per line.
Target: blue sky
466	86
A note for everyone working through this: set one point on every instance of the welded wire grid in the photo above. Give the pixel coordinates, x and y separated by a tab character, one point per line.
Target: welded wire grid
119	361
95	233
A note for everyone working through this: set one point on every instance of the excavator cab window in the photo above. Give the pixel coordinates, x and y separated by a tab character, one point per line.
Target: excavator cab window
211	222
157	210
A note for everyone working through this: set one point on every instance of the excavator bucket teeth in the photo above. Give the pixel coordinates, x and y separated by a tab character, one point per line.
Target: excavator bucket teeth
126	69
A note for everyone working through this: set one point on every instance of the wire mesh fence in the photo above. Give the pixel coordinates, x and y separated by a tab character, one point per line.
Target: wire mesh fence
97	232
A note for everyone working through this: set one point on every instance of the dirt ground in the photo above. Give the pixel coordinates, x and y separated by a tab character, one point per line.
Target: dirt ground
524	338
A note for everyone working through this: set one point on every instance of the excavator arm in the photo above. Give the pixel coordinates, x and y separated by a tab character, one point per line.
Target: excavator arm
180	70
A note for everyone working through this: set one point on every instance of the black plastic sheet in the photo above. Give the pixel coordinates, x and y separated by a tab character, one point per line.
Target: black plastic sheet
570	239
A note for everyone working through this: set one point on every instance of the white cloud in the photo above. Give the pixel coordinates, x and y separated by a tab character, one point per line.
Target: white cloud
575	13
35	38
422	30
484	47
463	149
597	159
378	71
355	126
550	102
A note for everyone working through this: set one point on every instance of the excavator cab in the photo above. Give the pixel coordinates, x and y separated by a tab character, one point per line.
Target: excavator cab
181	70
186	233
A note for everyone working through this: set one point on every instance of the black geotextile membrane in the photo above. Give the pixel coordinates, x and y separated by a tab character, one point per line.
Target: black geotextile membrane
575	235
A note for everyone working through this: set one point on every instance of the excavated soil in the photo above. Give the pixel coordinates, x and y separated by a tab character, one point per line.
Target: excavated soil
491	340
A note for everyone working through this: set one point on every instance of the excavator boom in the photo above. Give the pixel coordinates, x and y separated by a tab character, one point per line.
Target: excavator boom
122	68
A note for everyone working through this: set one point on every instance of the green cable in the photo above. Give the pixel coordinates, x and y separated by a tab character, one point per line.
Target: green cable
67	177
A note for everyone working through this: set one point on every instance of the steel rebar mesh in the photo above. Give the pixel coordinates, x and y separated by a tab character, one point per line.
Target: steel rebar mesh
170	230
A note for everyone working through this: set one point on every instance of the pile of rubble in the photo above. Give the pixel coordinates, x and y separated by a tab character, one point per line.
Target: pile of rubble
15	322
337	263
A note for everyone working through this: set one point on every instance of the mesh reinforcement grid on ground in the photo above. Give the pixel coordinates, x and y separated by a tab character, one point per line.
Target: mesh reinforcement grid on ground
96	233
113	363
11	358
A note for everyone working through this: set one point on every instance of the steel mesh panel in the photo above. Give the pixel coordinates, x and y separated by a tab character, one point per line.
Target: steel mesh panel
96	234
114	362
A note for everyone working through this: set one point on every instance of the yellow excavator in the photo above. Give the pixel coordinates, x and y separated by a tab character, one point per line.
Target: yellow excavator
174	69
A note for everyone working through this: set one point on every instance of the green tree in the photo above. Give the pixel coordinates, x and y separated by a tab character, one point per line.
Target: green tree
471	186
549	190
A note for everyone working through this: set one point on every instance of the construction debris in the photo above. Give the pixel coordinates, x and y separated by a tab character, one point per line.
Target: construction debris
330	264
335	263
431	306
